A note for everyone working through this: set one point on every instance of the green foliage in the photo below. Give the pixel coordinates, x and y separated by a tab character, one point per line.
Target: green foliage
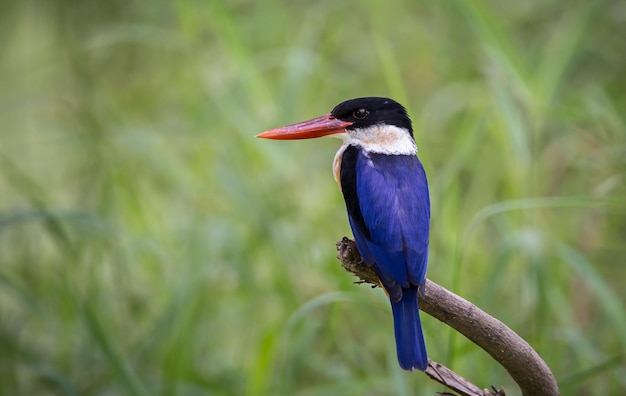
149	244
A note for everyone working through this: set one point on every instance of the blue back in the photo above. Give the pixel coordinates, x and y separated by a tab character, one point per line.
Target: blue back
389	211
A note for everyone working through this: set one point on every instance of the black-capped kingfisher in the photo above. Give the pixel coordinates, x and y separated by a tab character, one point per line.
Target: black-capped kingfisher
386	193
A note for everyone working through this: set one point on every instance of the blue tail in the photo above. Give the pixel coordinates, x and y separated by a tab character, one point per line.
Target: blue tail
408	328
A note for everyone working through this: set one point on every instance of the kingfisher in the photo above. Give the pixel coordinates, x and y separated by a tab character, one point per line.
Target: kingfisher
385	190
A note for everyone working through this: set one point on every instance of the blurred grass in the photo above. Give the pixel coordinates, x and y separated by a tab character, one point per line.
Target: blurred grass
150	245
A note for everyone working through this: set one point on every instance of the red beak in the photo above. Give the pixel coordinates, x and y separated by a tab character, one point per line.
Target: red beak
317	127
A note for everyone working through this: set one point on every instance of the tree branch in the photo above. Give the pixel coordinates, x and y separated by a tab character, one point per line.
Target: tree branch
524	365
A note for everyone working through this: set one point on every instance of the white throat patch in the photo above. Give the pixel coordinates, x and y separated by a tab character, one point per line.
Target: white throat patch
381	139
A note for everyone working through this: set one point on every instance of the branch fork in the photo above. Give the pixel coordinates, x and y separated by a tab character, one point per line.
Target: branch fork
525	366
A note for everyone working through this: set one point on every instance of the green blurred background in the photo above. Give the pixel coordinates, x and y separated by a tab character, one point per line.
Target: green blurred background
150	245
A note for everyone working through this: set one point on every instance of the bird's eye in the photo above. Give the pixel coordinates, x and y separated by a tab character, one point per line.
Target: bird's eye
360	114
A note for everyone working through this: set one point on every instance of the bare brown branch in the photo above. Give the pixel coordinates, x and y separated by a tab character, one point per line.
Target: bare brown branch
455	382
524	365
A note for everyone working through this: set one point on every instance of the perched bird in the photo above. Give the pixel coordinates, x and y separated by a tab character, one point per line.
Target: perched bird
386	193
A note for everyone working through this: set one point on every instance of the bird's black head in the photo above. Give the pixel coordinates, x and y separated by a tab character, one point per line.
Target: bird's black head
365	112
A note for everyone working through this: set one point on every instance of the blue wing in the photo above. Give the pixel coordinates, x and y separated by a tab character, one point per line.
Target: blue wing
392	220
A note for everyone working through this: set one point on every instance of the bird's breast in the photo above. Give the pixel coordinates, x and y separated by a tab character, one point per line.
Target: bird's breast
337	165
